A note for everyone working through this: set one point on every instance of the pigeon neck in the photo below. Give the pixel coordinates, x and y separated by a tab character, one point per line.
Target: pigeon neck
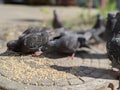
99	21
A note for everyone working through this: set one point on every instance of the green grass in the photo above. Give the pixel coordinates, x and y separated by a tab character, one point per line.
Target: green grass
110	7
87	19
44	10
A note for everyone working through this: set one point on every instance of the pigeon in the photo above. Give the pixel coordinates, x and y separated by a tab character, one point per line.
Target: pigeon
33	42
99	22
56	23
111	20
113	46
68	43
30	41
97	30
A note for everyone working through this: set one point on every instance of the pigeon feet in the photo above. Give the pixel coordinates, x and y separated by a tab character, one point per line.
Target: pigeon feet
72	56
37	53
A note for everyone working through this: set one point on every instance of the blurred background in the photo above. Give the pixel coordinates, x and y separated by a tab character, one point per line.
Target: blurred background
82	9
17	15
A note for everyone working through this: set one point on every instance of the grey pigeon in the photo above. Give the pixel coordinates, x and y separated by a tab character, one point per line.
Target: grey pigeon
69	42
56	23
113	46
97	30
100	22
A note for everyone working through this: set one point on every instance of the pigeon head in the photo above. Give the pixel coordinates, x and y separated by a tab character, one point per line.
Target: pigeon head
111	16
116	29
12	45
111	20
118	15
83	42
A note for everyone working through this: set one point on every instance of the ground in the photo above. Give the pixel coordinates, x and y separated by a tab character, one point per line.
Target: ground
89	70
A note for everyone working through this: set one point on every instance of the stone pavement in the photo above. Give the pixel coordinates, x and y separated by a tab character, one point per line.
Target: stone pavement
21	13
87	71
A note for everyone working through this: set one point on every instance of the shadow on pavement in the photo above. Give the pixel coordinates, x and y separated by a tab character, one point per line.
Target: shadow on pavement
84	71
87	55
27	20
56	55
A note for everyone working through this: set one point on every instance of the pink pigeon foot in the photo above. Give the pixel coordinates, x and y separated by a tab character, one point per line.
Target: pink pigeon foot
37	53
72	56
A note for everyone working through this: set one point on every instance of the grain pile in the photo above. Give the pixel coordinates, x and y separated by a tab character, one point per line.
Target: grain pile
28	69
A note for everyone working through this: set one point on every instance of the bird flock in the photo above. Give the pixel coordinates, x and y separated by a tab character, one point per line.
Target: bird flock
63	40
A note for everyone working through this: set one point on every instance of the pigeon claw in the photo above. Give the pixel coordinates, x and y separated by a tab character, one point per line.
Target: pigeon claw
72	56
36	54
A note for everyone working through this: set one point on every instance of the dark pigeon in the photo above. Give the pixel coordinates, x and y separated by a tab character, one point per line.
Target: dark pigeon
100	22
69	43
97	30
56	23
111	20
113	46
33	42
30	41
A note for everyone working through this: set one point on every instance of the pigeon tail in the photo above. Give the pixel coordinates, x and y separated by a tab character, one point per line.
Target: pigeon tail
54	13
98	21
56	22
